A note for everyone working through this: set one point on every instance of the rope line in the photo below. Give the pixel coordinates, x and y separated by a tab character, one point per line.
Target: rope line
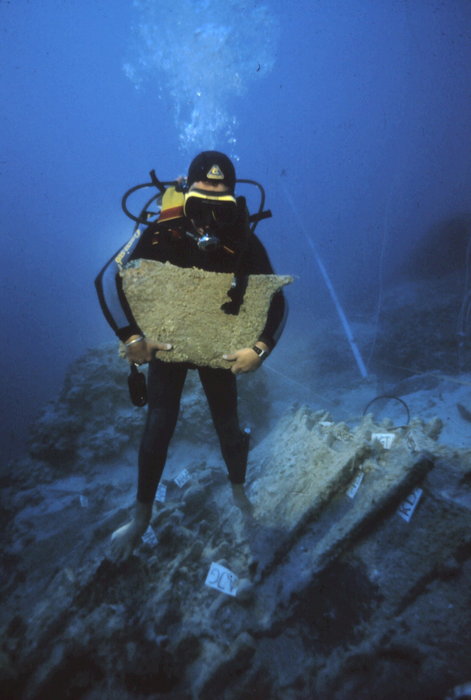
418	372
313	393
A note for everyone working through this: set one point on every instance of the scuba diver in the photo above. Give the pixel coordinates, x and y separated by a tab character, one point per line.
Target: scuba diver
202	224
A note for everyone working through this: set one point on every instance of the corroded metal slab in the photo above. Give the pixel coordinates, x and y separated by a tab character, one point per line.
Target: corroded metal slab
183	307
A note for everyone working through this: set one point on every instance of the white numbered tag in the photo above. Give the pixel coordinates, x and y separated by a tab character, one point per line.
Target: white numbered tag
409	504
386	439
222	579
355	485
149	537
182	478
84	501
325	423
161	493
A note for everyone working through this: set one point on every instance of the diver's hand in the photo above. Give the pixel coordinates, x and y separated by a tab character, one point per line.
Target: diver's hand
245	360
143	351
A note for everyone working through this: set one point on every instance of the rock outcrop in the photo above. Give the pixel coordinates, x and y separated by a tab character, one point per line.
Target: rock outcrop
93	418
338	596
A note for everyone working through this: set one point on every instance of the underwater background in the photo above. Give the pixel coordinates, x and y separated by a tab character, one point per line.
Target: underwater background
355	112
353	578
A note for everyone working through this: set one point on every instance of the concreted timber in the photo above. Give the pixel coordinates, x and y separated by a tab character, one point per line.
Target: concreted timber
306	517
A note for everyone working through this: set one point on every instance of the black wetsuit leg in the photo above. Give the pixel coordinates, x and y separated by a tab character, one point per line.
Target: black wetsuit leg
220	387
164	389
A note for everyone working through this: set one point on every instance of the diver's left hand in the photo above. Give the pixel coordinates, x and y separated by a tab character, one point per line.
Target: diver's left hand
245	360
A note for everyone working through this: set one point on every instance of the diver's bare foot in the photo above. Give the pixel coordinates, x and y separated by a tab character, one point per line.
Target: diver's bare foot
241	500
125	540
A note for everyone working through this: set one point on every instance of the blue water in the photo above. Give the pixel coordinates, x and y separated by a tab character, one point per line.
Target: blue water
358	109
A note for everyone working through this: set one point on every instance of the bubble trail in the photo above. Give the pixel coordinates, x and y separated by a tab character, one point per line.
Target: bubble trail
202	53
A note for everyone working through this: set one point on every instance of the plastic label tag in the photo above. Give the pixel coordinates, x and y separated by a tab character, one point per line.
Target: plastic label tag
149	537
355	485
222	579
182	478
325	423
386	439
409	504
84	501
161	493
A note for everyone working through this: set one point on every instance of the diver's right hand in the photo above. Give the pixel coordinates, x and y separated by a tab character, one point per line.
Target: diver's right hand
144	351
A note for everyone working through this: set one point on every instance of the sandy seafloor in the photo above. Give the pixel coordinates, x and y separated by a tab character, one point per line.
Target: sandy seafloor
54	551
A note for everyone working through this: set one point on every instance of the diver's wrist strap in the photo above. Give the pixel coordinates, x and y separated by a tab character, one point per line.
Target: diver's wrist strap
262	354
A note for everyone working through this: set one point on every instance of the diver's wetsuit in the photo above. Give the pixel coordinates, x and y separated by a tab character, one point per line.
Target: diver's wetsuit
166	380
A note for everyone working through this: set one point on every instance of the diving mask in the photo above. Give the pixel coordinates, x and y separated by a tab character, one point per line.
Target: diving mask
207	209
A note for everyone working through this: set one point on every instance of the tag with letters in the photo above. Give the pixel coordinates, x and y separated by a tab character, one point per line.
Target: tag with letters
355	485
386	439
161	493
182	478
149	537
222	579
409	504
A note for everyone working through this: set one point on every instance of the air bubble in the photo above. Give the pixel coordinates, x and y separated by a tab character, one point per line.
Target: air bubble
204	60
